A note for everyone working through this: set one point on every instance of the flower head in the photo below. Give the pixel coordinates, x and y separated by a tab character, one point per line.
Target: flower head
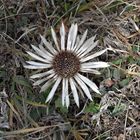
64	64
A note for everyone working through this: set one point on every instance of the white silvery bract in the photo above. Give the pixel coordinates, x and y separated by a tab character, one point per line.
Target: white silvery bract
64	63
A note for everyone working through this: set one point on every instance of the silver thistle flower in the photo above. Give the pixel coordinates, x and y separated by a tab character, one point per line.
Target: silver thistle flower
64	64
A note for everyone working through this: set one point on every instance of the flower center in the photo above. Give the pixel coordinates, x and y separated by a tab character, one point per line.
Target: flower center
66	64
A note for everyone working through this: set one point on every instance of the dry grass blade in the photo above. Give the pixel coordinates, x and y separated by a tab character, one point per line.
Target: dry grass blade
29	130
14	110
